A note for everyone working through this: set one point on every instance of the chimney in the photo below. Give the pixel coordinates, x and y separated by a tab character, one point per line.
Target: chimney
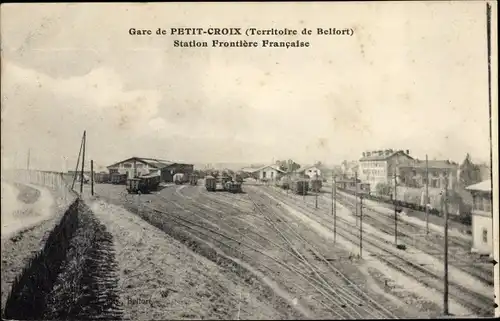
407	152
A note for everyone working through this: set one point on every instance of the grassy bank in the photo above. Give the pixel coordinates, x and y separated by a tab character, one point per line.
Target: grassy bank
72	277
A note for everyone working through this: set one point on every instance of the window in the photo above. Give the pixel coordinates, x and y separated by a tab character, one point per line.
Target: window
486	204
127	165
272	174
263	174
478	204
485	235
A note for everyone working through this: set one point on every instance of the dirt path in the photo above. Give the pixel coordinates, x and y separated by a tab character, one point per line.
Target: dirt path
160	278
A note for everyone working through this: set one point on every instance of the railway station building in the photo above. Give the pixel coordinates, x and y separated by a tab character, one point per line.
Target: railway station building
267	173
482	218
137	166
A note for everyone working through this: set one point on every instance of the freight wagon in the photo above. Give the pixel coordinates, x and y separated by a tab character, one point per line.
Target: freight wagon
101	178
144	184
300	186
316	185
414	198
193	179
180	178
350	186
283	182
232	187
210	183
117	178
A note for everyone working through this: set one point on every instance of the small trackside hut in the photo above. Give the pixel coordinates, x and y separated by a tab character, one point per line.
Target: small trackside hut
482	218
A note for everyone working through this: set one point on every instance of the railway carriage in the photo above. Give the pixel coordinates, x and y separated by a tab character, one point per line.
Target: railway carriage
284	182
413	198
232	187
300	186
180	178
101	178
350	186
143	185
316	185
210	183
193	179
117	178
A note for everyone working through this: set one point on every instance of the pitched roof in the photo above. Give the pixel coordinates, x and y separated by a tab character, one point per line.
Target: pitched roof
432	164
152	162
378	157
484	186
320	167
272	166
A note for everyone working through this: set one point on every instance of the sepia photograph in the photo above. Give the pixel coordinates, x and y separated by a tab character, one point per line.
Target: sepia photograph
249	160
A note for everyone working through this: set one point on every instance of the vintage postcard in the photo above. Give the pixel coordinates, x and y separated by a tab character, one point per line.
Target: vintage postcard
249	160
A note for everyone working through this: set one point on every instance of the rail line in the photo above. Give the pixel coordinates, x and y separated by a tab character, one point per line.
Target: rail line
457	249
348	302
456	240
378	310
222	239
478	272
478	302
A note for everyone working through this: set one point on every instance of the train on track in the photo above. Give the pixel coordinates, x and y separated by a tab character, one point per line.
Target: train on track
411	198
226	183
143	184
316	185
297	185
181	178
117	178
193	179
100	178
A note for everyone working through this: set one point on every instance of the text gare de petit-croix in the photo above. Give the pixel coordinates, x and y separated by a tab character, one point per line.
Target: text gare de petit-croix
240	32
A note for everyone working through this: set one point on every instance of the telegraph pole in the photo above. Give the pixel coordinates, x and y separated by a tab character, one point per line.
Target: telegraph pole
317	193
92	177
28	162
83	161
77	164
304	189
356	195
445	303
426	195
395	211
334	207
361	225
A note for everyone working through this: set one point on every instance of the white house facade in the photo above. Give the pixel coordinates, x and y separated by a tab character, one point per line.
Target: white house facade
482	218
268	173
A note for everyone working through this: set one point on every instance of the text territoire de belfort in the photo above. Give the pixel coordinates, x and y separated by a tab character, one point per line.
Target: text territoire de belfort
239	32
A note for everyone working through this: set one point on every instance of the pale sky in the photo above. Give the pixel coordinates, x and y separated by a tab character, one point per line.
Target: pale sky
413	76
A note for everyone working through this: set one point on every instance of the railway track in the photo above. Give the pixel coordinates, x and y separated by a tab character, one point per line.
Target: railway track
478	303
356	296
201	238
456	240
429	245
204	231
346	305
